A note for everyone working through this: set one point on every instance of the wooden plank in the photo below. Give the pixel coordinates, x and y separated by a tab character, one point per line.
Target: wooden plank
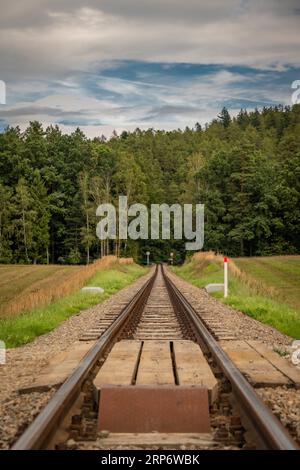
156	364
151	326
277	361
59	368
198	440
120	366
192	367
258	370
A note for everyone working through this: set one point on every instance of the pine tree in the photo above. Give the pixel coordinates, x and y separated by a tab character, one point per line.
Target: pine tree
225	118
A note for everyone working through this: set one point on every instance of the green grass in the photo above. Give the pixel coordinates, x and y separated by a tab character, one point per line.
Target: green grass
278	309
22	329
281	272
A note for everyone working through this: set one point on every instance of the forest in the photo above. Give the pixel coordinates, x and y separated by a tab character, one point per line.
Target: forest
245	169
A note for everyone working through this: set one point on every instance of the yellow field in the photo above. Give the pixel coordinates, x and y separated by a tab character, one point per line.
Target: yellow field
24	287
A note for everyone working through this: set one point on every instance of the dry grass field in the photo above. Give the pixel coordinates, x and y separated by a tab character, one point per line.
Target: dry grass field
24	287
38	298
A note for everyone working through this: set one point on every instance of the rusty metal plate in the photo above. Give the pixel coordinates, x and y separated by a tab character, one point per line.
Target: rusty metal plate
154	408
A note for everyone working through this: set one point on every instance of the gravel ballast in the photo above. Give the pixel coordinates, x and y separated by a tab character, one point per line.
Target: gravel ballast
239	324
283	401
24	364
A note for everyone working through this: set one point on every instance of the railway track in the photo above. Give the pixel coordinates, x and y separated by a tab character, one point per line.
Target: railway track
144	344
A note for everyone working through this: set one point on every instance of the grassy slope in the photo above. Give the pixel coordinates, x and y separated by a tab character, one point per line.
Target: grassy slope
281	272
269	303
22	329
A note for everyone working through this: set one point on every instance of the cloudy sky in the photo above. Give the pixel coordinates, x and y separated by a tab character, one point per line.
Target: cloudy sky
122	64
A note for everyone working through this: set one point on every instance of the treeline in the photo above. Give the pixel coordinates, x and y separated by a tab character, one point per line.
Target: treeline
246	170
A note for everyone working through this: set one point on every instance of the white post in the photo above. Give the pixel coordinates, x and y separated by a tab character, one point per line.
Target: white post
148	254
225	276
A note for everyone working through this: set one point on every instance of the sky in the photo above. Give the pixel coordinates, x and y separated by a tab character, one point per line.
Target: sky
120	64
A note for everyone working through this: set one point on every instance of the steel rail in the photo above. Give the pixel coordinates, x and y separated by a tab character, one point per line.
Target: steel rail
40	431
271	432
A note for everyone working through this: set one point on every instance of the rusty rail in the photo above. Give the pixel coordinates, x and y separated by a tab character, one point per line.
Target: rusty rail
40	431
269	429
271	432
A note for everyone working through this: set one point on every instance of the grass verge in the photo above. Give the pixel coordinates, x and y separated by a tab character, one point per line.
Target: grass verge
254	296
18	330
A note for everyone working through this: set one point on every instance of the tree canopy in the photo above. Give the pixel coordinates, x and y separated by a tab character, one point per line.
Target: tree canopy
245	169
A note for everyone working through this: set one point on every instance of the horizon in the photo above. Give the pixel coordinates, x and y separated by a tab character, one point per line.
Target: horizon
116	134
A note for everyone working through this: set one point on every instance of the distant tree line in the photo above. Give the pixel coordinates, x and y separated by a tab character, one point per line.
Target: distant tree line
246	170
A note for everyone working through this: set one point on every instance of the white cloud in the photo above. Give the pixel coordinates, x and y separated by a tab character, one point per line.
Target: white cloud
50	38
142	104
46	47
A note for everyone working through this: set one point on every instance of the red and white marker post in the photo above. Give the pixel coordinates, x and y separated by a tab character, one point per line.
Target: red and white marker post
225	276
